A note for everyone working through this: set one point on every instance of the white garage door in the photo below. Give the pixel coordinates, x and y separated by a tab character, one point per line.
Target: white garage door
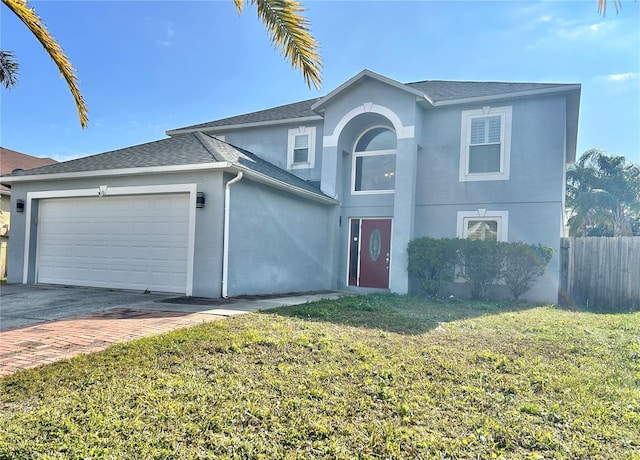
124	242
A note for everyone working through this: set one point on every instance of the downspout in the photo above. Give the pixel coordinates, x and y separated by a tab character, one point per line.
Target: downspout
225	235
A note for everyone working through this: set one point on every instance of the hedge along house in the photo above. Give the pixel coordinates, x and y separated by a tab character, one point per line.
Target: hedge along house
320	194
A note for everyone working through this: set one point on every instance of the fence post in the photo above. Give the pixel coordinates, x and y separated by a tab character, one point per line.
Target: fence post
564	296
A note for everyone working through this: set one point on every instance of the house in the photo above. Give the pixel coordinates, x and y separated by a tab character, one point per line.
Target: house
324	193
11	161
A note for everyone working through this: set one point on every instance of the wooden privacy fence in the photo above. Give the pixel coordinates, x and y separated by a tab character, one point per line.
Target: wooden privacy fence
600	272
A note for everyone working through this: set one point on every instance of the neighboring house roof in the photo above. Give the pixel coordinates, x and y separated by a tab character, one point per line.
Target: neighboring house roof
11	160
186	150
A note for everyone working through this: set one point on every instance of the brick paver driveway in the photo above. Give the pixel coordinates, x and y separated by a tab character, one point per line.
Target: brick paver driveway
43	324
44	343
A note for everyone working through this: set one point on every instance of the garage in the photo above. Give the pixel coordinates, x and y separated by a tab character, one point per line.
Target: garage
138	242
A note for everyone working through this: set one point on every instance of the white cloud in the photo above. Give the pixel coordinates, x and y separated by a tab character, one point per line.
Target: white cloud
169	34
66	154
621	76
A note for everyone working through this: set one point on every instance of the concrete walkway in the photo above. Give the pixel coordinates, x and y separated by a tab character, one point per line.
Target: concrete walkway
44	342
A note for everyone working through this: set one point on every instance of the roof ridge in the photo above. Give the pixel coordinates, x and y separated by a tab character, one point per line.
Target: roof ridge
198	135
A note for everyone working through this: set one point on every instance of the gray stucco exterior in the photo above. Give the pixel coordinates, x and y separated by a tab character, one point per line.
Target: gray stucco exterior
287	235
279	242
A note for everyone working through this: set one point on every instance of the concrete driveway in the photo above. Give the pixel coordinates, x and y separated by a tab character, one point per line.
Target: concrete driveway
25	305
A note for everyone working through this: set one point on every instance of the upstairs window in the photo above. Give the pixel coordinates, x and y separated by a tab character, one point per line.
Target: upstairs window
374	162
485	144
301	147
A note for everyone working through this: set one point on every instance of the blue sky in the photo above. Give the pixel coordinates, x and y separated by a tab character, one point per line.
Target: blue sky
149	66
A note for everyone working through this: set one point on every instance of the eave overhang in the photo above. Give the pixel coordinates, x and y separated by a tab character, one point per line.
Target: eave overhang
222	166
512	95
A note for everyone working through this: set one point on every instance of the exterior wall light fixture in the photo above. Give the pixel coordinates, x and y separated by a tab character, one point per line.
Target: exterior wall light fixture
200	200
19	205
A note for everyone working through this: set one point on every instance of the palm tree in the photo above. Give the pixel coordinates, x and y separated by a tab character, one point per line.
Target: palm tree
603	192
287	28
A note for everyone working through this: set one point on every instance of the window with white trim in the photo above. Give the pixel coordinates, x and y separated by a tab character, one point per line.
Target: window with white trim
374	162
483	225
485	144
301	147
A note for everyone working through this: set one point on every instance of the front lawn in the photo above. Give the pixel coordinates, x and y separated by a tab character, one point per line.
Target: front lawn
361	377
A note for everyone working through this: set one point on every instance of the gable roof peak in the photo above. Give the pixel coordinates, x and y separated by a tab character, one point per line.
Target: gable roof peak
365	73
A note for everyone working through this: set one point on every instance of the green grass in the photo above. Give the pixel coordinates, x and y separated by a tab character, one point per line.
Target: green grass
361	377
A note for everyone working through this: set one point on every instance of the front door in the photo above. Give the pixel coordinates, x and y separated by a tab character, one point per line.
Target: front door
369	252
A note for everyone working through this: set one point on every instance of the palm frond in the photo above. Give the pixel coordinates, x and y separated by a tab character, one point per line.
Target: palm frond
602	6
289	31
8	69
29	17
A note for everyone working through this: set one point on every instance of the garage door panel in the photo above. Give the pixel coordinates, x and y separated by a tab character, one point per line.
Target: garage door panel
134	242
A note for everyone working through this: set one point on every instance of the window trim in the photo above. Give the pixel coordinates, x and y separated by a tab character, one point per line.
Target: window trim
501	217
311	159
369	153
505	114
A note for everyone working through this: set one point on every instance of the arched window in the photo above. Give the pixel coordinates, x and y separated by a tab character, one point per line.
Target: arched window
374	161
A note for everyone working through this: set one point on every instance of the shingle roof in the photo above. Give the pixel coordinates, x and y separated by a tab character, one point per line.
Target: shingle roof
227	152
441	90
435	90
179	150
184	149
300	109
11	160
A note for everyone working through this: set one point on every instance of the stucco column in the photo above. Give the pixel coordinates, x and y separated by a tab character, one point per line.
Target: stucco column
403	214
330	171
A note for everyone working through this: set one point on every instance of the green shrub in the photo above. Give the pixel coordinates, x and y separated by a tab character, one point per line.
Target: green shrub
523	265
432	261
480	264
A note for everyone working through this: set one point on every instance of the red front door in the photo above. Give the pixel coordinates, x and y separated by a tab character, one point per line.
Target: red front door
369	252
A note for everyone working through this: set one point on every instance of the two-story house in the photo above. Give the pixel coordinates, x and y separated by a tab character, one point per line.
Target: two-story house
319	194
